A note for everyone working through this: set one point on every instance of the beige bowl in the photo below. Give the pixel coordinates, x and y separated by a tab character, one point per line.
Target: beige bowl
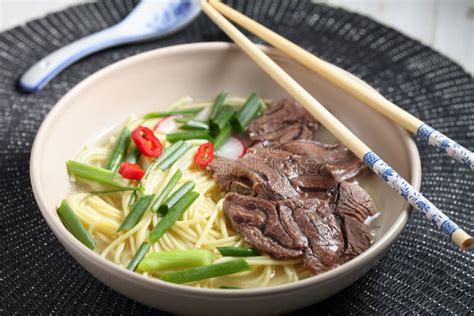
148	82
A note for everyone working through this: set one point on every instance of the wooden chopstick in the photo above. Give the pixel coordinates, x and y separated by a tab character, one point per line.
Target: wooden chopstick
340	131
351	86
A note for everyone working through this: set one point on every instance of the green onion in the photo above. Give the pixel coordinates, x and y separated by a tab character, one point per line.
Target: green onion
218	104
133	155
138	257
172	216
229	287
174	137
166	190
178	153
136	213
247	113
134	196
192	125
222	137
164	260
222	118
120	150
116	190
237	251
186	111
206	272
168	152
175	197
182	120
95	174
74	225
165	155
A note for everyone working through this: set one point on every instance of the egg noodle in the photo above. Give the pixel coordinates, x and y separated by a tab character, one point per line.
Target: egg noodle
202	226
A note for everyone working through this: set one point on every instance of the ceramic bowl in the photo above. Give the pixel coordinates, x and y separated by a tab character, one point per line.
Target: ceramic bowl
152	80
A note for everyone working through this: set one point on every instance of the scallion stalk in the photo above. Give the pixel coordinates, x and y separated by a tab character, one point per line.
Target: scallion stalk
116	190
175	197
74	225
222	137
95	174
193	125
172	216
136	213
206	272
222	119
237	251
133	155
247	113
138	257
186	111
171	159
218	104
166	190
164	260
120	150
174	137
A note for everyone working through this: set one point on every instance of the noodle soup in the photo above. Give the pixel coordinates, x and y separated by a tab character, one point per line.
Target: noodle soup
203	225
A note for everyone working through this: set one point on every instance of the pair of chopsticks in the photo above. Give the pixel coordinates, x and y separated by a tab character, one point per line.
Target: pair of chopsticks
216	11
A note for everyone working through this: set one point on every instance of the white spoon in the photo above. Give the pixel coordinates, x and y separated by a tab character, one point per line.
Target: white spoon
151	19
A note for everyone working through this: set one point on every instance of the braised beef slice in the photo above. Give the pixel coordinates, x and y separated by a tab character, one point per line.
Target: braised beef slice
284	121
354	201
353	207
256	220
288	229
343	164
321	227
357	237
324	232
275	175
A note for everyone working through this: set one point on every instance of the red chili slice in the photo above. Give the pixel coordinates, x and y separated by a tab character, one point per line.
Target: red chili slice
131	171
204	155
146	142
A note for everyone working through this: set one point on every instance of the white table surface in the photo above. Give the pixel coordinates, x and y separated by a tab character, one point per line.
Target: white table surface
446	25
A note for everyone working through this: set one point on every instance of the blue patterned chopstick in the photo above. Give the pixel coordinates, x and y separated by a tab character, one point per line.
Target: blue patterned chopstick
417	200
446	145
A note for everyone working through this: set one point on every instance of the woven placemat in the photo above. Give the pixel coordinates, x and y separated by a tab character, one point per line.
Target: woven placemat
422	273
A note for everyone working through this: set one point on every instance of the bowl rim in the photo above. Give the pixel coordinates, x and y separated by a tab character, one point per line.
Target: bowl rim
68	240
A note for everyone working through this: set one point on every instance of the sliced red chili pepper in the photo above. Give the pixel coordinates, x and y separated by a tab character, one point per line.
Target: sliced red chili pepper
204	155
131	171
146	142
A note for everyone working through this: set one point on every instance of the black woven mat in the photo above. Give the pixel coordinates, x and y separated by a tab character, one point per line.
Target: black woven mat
422	273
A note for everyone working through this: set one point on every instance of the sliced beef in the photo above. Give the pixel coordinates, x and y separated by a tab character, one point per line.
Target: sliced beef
357	237
353	207
257	221
343	164
284	121
324	232
354	201
321	227
275	175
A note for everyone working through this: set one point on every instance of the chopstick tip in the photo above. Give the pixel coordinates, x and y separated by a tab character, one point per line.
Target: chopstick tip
462	239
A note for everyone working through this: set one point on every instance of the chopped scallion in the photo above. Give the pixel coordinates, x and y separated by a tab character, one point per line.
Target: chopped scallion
186	111
206	272
172	216
74	225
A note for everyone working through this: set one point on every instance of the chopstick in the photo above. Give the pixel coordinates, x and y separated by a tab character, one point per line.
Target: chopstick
340	131
352	86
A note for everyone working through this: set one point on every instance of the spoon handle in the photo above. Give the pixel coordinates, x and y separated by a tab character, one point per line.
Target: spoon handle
47	68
